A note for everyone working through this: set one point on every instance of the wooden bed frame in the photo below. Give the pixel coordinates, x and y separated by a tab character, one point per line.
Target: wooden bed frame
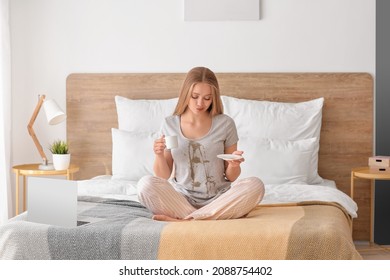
347	123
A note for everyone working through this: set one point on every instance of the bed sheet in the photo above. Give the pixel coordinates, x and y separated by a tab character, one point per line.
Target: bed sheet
108	187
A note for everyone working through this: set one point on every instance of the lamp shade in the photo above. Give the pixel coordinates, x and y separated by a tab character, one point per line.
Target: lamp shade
54	114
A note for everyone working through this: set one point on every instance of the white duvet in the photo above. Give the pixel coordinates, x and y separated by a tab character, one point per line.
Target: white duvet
108	187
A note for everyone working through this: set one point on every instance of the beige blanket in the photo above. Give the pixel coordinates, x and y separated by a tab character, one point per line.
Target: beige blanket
310	230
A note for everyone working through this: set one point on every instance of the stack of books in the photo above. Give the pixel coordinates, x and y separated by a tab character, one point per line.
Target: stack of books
379	163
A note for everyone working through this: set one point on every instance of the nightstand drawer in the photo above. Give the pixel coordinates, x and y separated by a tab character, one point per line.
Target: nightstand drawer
380	169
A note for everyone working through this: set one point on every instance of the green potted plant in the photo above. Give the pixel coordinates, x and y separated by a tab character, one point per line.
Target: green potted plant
61	155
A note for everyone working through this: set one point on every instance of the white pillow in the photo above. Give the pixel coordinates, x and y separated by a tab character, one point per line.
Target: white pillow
143	115
278	120
132	154
277	161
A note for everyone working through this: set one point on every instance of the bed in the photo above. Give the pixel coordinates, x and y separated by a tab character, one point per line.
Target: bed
312	129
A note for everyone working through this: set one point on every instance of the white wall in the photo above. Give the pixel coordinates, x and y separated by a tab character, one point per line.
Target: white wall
52	38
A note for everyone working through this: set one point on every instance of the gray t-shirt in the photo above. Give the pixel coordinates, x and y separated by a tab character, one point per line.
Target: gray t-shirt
199	174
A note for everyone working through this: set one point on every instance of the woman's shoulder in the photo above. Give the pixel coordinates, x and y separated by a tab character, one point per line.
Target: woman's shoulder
171	121
223	118
171	118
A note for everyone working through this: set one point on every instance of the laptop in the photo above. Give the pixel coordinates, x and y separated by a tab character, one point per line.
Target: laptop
52	201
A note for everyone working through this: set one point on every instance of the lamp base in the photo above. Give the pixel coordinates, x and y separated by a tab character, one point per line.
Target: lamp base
48	166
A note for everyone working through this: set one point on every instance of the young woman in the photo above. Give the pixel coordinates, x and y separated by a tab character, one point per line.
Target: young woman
190	181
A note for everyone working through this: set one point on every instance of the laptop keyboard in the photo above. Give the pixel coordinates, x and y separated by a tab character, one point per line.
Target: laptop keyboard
80	223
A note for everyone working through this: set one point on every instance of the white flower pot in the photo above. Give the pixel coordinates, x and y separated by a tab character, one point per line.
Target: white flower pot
61	162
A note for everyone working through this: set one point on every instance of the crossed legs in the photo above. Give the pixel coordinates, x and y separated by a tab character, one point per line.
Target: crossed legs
159	196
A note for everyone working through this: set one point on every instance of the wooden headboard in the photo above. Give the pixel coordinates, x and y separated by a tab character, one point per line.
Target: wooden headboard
347	123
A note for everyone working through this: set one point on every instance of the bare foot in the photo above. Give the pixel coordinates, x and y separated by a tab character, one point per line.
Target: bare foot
166	218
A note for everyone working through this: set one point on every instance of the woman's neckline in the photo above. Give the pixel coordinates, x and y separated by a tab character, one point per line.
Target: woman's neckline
197	138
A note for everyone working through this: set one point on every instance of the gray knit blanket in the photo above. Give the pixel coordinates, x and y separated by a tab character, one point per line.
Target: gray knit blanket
120	230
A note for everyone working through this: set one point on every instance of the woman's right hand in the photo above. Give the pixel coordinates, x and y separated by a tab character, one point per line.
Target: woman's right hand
163	162
159	146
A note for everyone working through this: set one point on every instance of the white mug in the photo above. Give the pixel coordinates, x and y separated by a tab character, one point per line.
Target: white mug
171	142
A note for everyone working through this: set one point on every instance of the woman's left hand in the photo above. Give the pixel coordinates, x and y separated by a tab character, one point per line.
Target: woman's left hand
236	162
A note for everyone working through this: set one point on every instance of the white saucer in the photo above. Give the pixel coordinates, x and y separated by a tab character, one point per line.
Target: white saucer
229	157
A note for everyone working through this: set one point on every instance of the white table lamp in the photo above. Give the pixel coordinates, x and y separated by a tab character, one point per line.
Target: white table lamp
54	116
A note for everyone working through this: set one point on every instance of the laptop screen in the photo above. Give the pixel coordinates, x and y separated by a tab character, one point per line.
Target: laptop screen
52	201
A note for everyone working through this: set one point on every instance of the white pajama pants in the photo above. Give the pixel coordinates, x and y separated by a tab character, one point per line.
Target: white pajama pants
159	196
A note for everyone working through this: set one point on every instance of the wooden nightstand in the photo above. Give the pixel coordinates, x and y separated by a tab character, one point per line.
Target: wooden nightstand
367	173
33	170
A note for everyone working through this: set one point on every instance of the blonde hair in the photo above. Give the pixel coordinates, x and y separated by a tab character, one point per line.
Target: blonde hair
194	76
